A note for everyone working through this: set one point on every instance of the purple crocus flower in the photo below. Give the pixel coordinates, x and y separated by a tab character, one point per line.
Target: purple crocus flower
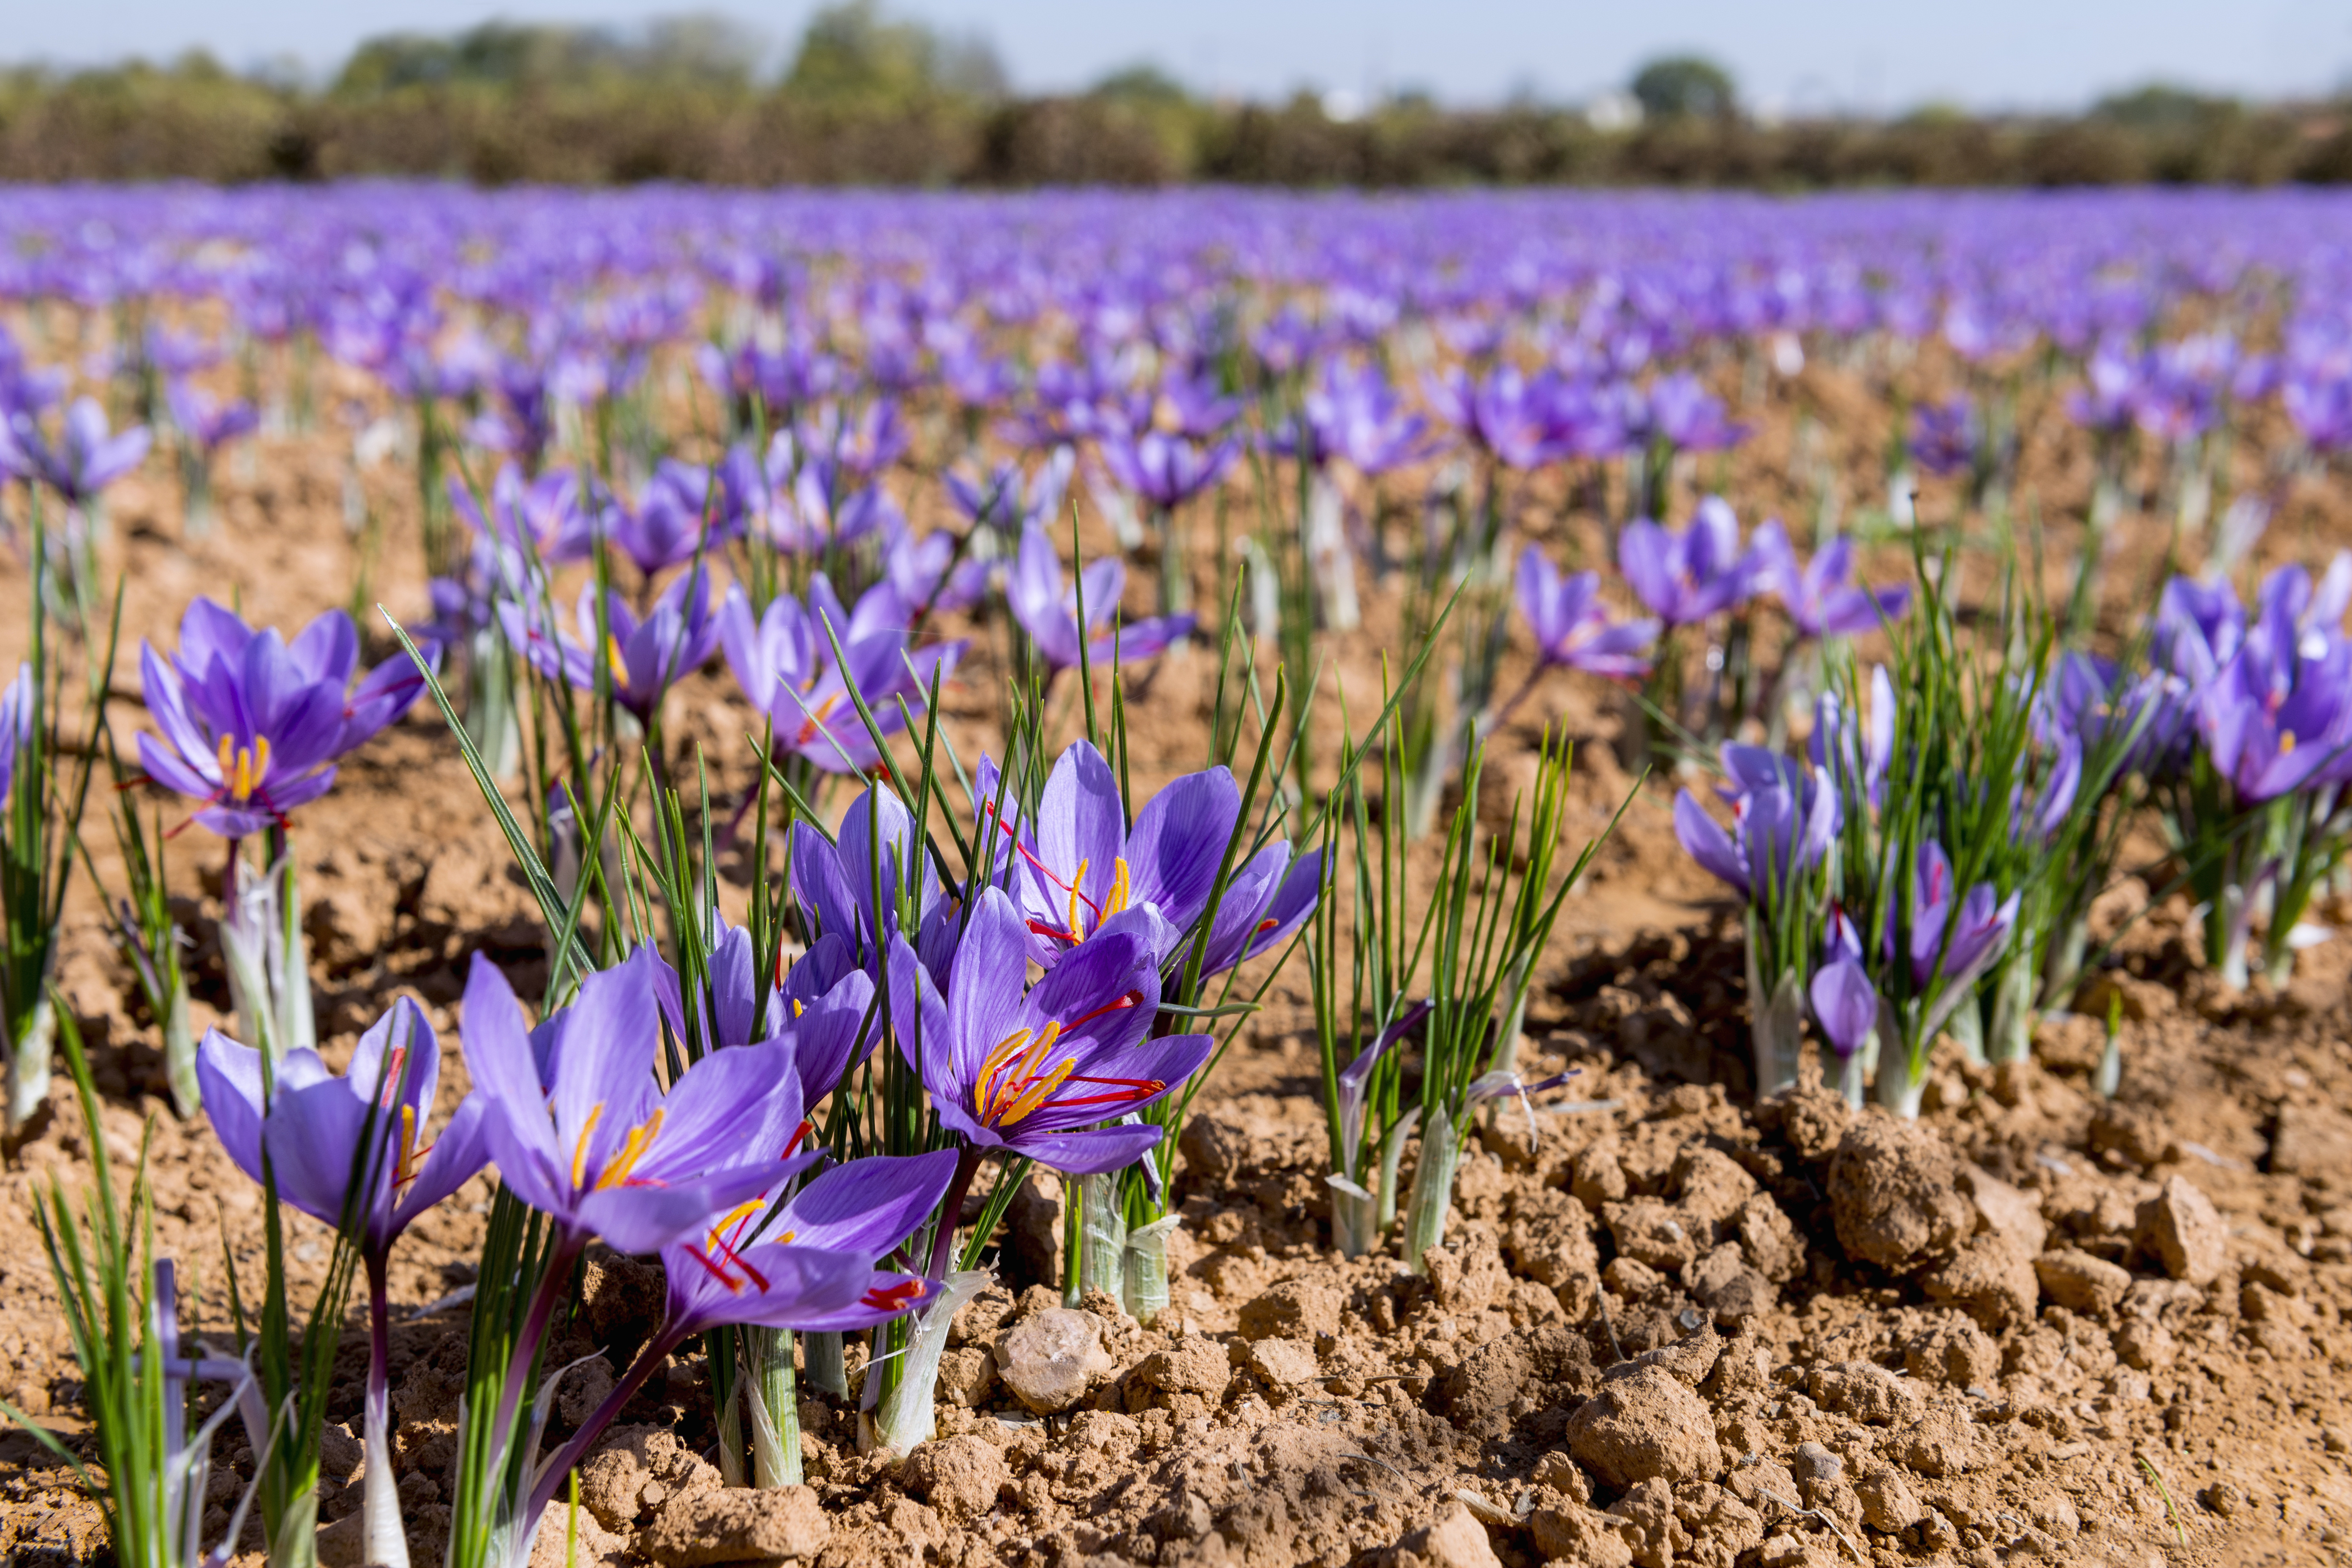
666	528
1781	826
2199	627
1820	596
1856	750
1077	870
20	710
1166	470
1033	1071
583	1132
252	724
315	1127
1571	625
86	458
1506	413
1844	1001
1003	500
1687	576
1353	415
1681	411
784	663
1267	898
2278	716
1048	611
925	573
206	420
735	1274
2090	698
835	879
643	657
1943	435
1979	927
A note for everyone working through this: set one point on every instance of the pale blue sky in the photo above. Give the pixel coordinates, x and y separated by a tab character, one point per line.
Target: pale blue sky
1791	55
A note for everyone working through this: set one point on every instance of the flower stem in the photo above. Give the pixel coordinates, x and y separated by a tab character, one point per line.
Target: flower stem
381	1528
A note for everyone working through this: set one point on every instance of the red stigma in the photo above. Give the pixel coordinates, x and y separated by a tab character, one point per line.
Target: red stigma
1133	999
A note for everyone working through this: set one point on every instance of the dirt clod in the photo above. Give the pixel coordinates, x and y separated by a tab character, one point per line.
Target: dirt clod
1645	1425
2179	1227
737	1525
1893	1193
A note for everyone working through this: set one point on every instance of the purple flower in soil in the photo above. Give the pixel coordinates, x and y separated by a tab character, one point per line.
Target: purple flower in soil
2199	627
526	517
583	1132
1078	870
817	504
1001	499
1571	625
315	1127
2316	611
1857	751
1267	898
1844	1003
835	879
206	420
1048	611
2090	700
643	658
1779	832
1033	1071
1687	576
784	663
20	710
1353	415
1680	410
2106	402
85	458
1506	413
760	1263
1943	435
2042	812
925	573
1820	596
1165	471
863	444
1979	928
252	724
674	518
2278	716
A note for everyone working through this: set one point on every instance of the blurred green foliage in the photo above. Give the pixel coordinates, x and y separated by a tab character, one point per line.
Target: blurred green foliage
864	97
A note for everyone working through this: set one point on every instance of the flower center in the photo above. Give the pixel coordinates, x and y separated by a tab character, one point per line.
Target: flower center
242	769
616	1170
816	716
617	659
720	1250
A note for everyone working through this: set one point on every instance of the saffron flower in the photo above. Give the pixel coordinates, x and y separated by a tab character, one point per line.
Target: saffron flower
835	879
1686	576
1031	1070
1844	1001
1781	826
1979	926
1078	869
1943	435
582	1130
643	658
2278	716
206	420
20	710
314	1128
1048	609
1571	625
784	663
1003	500
85	458
1820	596
1163	469
252	724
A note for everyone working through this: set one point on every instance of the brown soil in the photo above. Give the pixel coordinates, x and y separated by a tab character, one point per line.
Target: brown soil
1669	1325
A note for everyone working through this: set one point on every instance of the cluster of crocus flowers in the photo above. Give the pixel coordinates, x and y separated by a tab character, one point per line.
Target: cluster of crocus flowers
252	724
804	666
636	659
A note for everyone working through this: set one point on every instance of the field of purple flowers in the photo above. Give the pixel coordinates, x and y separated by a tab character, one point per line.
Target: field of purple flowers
1209	876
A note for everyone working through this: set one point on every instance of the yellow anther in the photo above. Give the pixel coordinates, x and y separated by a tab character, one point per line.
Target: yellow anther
1120	889
617	659
728	1221
580	1150
242	769
798	1006
1006	1049
403	1166
1078	881
1039	1091
2286	742
633	1149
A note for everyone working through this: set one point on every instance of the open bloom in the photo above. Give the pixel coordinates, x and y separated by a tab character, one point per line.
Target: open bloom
676	515
807	1261
1687	575
875	848
819	1008
1269	898
85	458
1820	596
1781	826
251	724
1965	937
323	1132
1353	415
583	1132
1163	469
2278	715
206	420
785	662
1571	625
1033	1069
642	657
1003	500
1078	868
1048	611
926	574
1943	435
